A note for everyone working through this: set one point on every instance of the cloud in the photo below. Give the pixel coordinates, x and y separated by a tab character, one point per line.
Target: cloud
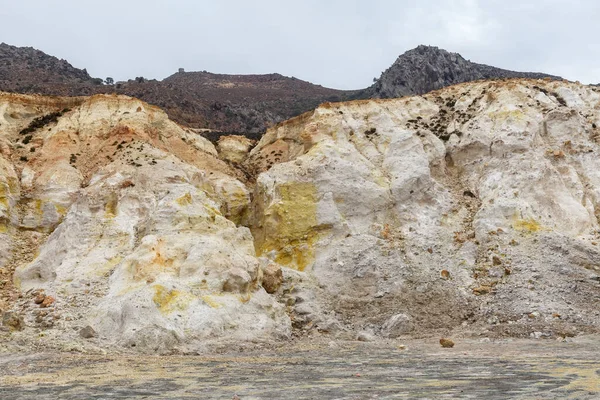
336	43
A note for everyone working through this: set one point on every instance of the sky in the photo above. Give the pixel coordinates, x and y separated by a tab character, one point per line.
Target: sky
341	44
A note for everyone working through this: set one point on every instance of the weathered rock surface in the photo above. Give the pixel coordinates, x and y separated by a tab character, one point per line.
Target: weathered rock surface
471	209
427	68
141	248
234	148
476	202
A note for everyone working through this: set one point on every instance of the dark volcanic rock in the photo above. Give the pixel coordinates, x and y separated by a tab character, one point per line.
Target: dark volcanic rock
246	104
428	68
232	103
87	332
27	70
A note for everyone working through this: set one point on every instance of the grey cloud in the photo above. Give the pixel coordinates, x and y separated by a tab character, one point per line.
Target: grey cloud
341	44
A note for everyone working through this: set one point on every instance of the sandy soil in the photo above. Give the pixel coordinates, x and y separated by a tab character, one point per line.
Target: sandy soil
473	369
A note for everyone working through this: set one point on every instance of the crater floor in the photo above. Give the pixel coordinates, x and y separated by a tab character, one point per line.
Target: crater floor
473	369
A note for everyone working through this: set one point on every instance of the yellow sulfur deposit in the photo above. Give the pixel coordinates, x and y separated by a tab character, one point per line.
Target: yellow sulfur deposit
291	227
168	301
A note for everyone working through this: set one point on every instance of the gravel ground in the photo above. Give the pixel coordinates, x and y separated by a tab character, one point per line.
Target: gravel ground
521	369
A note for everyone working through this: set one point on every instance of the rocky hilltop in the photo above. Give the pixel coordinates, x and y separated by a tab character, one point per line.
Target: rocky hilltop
244	104
27	70
427	68
471	210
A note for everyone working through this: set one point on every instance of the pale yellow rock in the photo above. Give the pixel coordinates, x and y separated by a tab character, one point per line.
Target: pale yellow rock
355	193
347	214
234	148
138	208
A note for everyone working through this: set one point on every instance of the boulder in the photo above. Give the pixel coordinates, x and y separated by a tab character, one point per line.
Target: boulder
13	321
272	277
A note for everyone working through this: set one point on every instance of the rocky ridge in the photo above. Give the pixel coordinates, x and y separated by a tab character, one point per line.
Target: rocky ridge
27	70
467	211
427	68
246	104
242	104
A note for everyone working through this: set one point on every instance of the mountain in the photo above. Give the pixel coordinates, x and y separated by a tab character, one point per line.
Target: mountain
468	211
225	103
27	70
428	68
246	104
230	103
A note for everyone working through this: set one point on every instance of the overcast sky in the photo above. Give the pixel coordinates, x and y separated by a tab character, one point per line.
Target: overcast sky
336	43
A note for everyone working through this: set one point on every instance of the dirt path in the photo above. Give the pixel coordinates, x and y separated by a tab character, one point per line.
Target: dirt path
527	369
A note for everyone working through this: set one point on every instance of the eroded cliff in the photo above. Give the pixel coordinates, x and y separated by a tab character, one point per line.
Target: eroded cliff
471	209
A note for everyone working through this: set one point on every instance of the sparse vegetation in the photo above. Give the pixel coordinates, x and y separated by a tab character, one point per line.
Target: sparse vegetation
370	132
40	122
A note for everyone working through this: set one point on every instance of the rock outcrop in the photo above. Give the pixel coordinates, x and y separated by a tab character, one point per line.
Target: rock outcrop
247	104
427	68
470	210
244	104
142	245
474	204
25	69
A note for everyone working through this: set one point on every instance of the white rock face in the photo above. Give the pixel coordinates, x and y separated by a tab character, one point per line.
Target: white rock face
141	248
479	199
471	208
178	269
9	193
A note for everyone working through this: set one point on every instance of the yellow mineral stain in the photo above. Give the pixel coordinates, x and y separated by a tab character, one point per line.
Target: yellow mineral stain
17	281
527	225
39	205
110	209
208	189
108	266
212	211
185	200
244	298
60	209
211	302
584	379
4	192
290	228
168	301
515	115
3	228
161	261
149	269
13	185
235	205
